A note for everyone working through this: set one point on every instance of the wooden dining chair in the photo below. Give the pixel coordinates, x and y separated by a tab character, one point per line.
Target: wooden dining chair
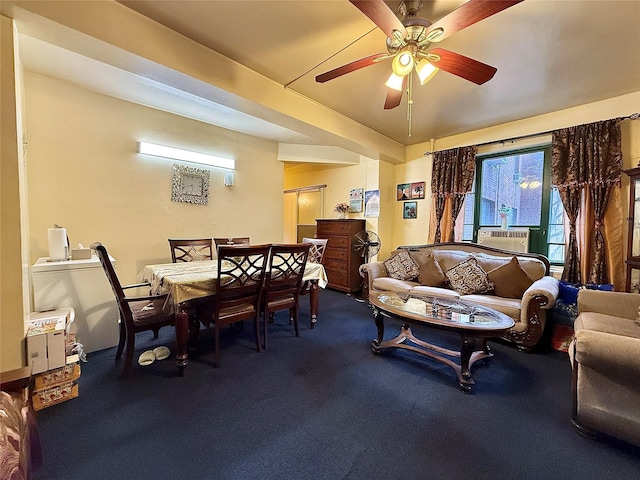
283	283
239	286
191	249
137	314
231	241
318	246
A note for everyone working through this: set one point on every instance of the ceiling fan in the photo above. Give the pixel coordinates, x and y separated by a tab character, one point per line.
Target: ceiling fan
409	40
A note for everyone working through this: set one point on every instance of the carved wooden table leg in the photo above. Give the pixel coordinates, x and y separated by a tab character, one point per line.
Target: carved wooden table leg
467	348
182	340
379	319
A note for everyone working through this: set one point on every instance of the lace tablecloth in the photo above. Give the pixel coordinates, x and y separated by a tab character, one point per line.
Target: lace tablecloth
188	280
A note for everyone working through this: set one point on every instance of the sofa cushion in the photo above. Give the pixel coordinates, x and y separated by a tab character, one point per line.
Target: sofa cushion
605	323
508	306
450	258
510	280
468	277
388	284
435	291
401	266
534	267
431	274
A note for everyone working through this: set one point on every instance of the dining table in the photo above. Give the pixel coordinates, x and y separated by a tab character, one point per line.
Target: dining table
189	284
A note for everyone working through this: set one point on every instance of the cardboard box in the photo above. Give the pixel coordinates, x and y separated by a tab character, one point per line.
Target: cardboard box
46	341
54	395
80	254
69	373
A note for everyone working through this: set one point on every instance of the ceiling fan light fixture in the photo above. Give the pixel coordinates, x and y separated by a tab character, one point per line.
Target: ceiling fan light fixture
395	82
403	63
426	71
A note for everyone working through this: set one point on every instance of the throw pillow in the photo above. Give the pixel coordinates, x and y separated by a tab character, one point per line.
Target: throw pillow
401	266
510	280
431	274
468	277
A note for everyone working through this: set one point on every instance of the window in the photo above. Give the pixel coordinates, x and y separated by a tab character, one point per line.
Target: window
517	185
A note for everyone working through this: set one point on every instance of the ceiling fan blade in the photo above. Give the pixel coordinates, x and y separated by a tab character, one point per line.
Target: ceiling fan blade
466	15
464	67
394	96
380	14
351	67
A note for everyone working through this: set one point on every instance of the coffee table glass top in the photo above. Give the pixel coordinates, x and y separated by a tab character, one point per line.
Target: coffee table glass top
443	311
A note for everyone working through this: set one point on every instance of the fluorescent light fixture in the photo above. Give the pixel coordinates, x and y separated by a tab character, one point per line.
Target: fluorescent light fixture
395	82
155	150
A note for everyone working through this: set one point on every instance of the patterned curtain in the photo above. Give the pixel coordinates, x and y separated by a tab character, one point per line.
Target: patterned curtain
587	160
451	180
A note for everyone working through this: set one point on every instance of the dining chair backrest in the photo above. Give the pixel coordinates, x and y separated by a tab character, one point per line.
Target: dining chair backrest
286	269
239	286
191	249
241	271
137	313
318	246
283	282
232	241
116	286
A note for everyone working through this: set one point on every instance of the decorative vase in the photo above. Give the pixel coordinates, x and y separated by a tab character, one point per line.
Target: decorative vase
342	215
504	223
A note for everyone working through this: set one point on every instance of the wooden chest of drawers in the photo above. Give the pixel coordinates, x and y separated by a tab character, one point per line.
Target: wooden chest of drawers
340	261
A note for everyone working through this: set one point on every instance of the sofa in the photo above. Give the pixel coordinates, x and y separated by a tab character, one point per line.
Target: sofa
516	284
604	358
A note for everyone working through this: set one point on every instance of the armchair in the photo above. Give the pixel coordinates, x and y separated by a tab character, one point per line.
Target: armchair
604	358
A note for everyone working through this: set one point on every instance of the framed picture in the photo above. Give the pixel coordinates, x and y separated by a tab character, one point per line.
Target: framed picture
190	185
404	191
410	210
417	190
372	203
356	196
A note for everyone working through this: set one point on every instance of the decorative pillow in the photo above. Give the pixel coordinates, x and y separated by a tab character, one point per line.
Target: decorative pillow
401	266
468	277
510	280
430	272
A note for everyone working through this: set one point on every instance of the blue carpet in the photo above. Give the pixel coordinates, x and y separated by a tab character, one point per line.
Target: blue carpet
321	406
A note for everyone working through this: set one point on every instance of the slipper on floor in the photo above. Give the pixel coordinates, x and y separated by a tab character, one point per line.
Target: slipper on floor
146	358
161	353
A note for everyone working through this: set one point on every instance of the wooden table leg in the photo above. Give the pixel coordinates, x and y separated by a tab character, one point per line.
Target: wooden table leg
313	301
379	319
182	340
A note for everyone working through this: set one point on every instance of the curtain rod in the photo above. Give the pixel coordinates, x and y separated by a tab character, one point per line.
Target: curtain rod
633	116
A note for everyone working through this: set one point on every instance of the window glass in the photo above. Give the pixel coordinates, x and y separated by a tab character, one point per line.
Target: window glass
512	186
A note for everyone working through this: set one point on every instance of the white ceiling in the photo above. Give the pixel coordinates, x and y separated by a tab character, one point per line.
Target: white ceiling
550	55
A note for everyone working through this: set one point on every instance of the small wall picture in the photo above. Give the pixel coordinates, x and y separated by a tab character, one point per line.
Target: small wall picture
417	190
356	197
404	191
410	210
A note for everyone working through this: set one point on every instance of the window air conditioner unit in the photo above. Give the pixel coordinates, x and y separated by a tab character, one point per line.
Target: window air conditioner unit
514	239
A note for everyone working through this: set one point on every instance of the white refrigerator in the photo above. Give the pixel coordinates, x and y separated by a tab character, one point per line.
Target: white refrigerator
83	285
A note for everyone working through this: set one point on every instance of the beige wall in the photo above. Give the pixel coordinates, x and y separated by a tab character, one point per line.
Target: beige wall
12	274
85	174
395	230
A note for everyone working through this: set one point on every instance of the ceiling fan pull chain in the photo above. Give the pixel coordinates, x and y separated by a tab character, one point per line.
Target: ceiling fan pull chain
409	101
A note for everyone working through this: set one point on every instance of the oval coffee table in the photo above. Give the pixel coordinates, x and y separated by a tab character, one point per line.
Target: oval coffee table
474	324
